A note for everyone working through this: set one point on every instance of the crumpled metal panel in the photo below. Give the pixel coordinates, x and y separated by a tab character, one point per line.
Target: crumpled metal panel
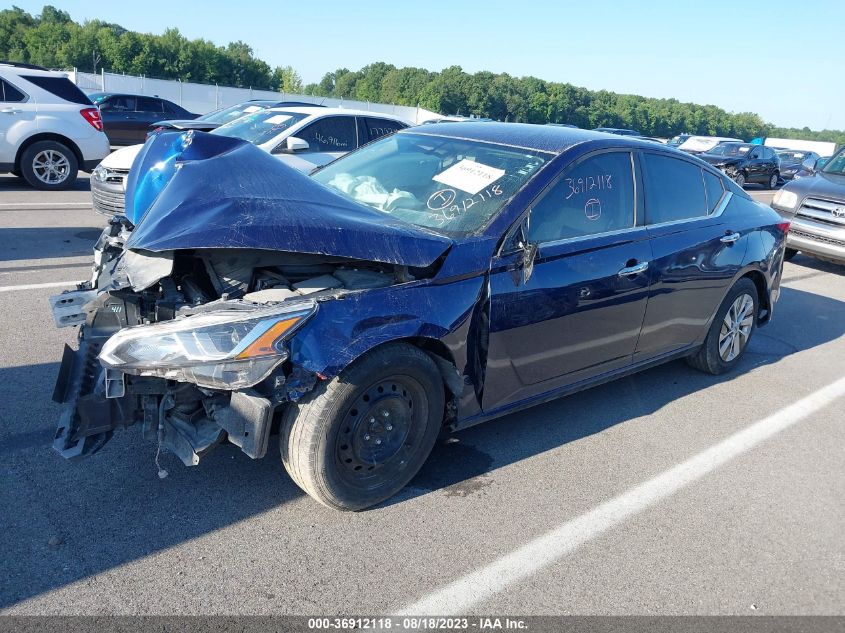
196	190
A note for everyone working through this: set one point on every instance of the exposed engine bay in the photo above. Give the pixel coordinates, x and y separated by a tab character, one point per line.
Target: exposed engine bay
210	363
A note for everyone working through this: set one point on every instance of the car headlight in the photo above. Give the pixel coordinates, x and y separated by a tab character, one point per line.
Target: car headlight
785	199
99	174
221	349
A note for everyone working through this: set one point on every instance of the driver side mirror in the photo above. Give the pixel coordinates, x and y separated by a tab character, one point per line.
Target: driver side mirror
295	144
529	254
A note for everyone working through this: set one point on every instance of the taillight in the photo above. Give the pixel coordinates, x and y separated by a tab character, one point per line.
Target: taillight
92	115
783	227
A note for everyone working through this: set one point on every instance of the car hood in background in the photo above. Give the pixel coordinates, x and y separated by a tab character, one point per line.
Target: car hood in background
186	124
820	185
196	190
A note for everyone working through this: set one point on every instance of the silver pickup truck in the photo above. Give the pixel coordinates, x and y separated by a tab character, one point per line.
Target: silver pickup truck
816	207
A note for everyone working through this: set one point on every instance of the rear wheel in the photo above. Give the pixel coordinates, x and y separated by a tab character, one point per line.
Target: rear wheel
789	254
773	180
730	331
359	438
49	166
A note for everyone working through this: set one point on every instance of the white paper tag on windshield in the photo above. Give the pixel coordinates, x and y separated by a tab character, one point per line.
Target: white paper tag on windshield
469	176
277	118
252	109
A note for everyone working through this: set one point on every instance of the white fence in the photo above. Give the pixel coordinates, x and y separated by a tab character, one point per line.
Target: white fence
202	98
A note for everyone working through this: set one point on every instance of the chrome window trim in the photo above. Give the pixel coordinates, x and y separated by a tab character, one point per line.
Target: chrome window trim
726	198
582	238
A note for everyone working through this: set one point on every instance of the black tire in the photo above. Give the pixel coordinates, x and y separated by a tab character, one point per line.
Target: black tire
740	179
42	175
773	181
340	444
708	357
789	254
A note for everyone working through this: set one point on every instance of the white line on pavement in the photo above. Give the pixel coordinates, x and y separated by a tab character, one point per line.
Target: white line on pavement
52	284
458	596
45	205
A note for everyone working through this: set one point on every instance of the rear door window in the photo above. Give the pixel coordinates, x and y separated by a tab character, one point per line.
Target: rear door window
330	134
61	87
595	196
674	189
147	104
376	128
10	94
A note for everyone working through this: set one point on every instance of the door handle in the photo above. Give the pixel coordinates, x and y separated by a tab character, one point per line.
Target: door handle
11	111
633	270
730	238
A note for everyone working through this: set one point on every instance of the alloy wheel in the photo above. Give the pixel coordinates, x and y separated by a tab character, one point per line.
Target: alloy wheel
51	167
736	327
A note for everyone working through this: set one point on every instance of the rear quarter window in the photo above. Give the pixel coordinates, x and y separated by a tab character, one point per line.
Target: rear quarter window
9	93
61	87
674	189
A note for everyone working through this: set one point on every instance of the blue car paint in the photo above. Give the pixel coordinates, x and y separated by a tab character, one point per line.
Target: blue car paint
514	339
198	190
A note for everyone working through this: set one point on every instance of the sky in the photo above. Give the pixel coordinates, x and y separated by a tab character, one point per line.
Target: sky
765	57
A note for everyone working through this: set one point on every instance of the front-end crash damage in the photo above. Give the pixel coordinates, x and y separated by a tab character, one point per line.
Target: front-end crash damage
204	319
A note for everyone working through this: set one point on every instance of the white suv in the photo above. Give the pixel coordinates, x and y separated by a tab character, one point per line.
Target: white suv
49	130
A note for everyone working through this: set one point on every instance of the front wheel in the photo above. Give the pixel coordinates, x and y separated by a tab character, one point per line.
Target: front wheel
360	437
731	330
740	179
49	166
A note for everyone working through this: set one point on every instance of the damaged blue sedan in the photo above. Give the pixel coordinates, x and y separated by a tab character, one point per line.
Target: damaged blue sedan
429	281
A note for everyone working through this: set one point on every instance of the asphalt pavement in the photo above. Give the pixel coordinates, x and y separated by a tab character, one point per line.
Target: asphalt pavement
755	531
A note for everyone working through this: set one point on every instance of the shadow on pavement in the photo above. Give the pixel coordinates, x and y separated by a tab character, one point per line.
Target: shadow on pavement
63	522
17	243
9	184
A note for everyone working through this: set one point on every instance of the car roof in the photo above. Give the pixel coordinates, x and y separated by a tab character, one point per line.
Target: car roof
29	69
313	110
541	138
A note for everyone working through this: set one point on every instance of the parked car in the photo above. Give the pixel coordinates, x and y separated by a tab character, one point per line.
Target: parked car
809	167
49	129
815	205
677	141
744	163
302	137
221	116
431	280
619	131
127	117
703	144
790	161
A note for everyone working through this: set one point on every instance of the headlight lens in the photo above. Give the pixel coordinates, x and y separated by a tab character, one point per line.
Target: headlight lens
785	199
225	349
99	173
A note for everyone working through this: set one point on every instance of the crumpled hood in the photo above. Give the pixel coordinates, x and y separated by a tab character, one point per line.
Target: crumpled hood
196	190
720	161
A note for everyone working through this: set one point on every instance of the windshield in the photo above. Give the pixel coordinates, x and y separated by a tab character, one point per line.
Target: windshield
792	157
835	165
450	185
731	149
262	126
224	115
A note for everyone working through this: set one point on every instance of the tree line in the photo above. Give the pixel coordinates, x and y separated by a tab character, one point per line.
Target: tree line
52	39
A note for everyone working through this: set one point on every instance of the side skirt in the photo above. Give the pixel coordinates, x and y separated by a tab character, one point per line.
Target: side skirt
574	388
